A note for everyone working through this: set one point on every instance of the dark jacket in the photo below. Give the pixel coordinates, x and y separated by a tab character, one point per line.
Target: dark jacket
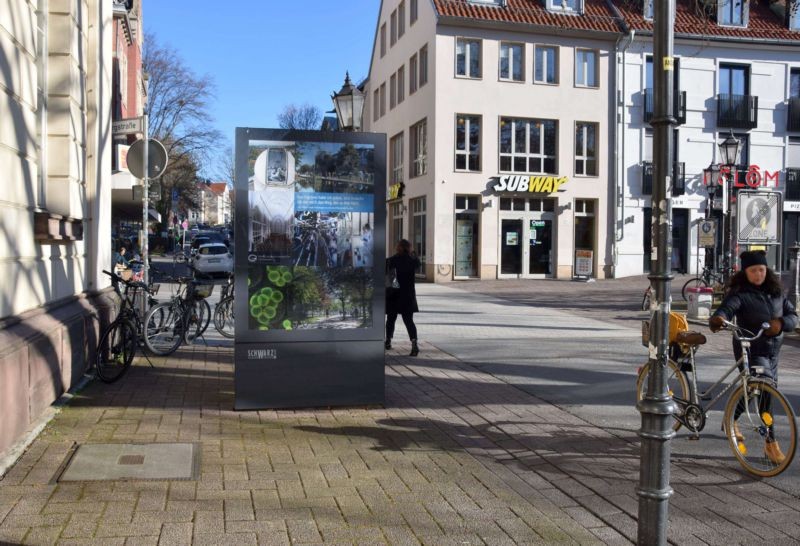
753	306
405	299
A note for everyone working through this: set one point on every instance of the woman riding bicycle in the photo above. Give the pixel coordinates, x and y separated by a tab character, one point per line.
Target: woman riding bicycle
755	296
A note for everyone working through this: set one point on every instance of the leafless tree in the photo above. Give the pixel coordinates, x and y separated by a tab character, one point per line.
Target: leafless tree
178	103
306	116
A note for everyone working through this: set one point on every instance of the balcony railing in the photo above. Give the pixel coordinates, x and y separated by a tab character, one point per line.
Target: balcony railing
737	111
793	123
678	109
678	178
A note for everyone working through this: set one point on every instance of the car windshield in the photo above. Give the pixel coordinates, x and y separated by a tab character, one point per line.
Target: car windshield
209	250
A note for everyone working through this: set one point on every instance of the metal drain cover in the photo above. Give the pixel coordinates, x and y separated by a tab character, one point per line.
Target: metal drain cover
98	462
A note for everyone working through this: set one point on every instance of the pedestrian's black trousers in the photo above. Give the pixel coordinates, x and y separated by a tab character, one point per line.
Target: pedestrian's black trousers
408	320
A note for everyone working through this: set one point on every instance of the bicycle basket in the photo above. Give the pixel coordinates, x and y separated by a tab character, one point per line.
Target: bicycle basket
203	290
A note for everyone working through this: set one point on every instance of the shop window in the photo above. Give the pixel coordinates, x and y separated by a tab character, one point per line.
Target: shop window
419	145
584	225
528	145
586	73
512	62
468	57
545	64
467	230
468	143
585	149
396	158
418	229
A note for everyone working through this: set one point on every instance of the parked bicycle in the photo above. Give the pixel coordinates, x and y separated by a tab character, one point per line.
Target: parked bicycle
223	311
707	278
182	319
120	339
755	411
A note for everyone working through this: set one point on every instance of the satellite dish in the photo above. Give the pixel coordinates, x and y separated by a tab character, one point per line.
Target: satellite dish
157	158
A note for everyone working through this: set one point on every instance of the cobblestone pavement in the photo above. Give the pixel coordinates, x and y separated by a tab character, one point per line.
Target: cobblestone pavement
461	454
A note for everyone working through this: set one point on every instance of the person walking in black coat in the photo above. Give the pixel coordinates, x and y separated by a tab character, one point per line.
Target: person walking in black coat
403	300
755	296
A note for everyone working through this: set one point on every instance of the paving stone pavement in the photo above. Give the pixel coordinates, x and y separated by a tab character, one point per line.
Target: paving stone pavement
457	456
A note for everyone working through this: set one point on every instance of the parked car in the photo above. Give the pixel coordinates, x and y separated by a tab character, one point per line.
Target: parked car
213	259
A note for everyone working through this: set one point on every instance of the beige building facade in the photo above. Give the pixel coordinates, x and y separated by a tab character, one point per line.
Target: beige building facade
498	133
55	152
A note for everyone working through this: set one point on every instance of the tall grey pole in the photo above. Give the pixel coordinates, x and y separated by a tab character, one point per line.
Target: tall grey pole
657	406
146	199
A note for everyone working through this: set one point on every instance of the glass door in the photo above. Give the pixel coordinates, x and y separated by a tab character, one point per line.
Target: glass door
540	247
511	247
466	245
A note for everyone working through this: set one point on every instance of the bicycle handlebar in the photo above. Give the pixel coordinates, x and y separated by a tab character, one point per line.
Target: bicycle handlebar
736	330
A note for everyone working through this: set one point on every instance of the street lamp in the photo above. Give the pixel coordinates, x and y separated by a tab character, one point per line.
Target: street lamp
713	187
349	104
729	152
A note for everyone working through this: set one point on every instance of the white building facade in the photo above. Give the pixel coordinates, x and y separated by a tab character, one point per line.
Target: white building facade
498	129
739	73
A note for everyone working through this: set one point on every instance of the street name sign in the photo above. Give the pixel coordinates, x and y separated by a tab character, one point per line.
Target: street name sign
759	217
127	126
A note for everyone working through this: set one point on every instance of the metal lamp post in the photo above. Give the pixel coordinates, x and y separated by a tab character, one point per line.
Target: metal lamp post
729	152
349	104
711	178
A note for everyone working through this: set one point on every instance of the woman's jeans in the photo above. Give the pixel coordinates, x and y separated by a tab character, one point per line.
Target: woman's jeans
408	320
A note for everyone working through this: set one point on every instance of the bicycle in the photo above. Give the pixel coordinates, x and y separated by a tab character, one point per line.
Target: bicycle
224	310
181	320
120	339
754	409
707	277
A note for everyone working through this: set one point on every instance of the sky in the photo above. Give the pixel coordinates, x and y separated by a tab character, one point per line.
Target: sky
263	55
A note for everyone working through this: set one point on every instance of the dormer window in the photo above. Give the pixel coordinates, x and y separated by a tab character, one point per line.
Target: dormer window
648	9
793	9
497	3
732	12
565	6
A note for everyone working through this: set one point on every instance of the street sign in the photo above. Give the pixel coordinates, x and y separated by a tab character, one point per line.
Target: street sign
157	158
707	234
127	126
759	217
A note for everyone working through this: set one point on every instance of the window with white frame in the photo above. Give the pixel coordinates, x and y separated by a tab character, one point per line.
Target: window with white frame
392	91
528	145
412	74
401	84
732	12
383	99
413	11
396	228
545	64
418	156
396	158
393	28
512	61
376	104
586	74
423	65
565	6
468	143
383	39
468	57
401	19
794	15
585	149
648	9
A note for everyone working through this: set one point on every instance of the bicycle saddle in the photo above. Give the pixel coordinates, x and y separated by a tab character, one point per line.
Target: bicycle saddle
690	338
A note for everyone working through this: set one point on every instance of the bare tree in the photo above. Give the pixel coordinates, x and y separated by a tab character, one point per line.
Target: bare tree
178	103
306	116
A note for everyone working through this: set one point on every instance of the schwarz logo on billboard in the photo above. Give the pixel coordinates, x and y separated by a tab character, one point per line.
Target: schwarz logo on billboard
262	354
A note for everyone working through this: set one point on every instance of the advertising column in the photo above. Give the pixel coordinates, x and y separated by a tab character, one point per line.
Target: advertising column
310	254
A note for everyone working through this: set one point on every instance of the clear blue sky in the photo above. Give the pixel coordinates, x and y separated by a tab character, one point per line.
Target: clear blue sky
266	54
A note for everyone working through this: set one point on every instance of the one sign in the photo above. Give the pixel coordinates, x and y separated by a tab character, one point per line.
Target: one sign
791	206
156	158
396	191
512	238
584	263
529	183
127	126
759	216
707	233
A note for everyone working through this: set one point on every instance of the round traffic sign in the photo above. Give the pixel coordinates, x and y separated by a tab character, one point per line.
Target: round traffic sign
156	158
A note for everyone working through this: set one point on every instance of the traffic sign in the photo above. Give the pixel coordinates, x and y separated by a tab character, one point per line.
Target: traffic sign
707	233
157	158
759	217
127	126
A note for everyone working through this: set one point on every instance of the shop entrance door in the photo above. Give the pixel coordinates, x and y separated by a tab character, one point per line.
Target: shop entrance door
511	248
540	248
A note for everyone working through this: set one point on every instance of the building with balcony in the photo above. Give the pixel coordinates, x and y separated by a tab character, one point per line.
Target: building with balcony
55	221
736	69
498	119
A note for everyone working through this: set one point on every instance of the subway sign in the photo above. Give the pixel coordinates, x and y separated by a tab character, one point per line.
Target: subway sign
529	183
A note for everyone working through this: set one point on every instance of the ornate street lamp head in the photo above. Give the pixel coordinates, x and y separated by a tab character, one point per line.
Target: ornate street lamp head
729	149
349	104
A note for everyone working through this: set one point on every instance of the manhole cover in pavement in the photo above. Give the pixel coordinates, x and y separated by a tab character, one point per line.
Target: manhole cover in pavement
97	462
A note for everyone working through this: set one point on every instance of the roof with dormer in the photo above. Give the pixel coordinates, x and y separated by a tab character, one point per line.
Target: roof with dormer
598	15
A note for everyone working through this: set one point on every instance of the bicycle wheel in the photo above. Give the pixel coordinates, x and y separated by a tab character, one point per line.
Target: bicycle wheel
677	385
697	282
163	328
765	425
115	351
223	317
197	321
